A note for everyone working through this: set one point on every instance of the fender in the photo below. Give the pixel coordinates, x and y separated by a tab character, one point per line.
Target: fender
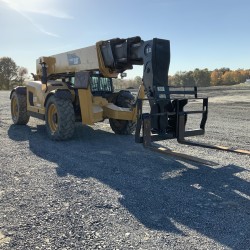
63	94
60	93
21	90
115	96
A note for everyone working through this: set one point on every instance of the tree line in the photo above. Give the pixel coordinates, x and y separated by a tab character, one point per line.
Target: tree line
127	83
205	78
11	74
197	77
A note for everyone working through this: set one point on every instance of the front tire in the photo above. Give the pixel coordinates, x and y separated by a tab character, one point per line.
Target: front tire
19	112
123	127
59	118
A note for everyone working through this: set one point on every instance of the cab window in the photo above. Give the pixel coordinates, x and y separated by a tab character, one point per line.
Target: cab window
101	84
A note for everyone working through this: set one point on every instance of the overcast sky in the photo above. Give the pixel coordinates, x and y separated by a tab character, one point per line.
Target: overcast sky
203	34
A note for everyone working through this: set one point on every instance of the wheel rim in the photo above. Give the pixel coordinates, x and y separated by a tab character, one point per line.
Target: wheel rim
14	108
52	118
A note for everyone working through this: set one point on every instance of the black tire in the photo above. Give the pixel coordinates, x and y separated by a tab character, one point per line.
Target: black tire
59	118
125	100
19	112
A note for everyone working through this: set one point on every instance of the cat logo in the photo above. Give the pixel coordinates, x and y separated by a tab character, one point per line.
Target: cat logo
73	59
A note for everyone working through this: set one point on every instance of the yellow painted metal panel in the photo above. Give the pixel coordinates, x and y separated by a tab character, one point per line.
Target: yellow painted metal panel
115	112
71	61
105	71
86	106
98	100
36	110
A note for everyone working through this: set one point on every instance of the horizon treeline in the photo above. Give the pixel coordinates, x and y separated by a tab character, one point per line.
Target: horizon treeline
197	77
205	78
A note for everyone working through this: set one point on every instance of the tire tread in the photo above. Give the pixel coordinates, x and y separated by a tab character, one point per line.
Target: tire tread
66	126
23	116
125	100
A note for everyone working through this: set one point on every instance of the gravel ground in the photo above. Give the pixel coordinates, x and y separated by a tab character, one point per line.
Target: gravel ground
101	190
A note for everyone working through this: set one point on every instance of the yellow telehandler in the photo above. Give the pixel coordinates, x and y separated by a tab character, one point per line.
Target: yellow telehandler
77	86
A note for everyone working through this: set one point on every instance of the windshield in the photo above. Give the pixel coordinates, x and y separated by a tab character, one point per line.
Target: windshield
101	84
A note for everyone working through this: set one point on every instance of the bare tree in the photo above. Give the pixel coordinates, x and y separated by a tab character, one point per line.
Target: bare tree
22	71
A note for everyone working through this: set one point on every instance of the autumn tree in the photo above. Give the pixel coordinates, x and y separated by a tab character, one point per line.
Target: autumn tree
241	75
228	78
216	77
224	70
235	77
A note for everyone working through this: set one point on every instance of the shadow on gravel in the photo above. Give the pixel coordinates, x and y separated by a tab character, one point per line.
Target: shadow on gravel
162	193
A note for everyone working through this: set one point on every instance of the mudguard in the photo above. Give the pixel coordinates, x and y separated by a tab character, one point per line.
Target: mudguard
21	90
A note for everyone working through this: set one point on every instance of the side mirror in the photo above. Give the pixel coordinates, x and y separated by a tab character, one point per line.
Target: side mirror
123	75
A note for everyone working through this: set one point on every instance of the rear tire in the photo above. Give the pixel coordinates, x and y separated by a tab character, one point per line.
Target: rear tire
59	118
19	112
123	127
